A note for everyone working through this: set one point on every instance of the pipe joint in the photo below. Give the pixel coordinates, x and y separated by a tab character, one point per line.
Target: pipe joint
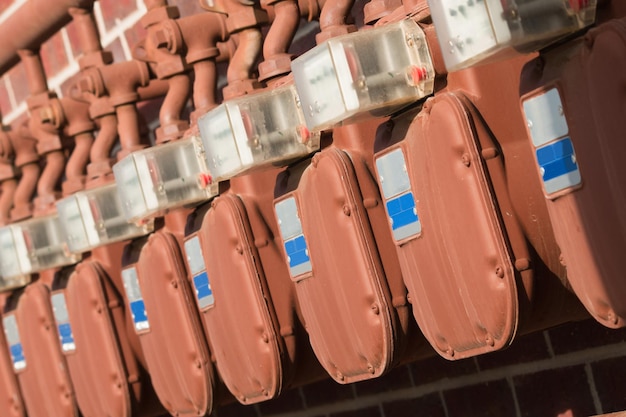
159	14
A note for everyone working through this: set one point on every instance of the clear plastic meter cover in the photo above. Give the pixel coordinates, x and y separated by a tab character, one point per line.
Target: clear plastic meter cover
370	73
94	218
254	132
471	31
155	180
32	246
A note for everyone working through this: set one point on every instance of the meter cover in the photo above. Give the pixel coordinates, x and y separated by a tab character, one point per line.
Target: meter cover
370	73
473	31
154	180
256	131
94	218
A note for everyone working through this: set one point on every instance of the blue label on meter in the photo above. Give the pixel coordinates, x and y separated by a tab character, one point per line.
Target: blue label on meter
17	354
558	166
402	211
140	317
67	338
297	253
204	294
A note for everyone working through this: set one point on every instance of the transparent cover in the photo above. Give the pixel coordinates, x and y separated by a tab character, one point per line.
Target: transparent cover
32	246
370	73
155	180
481	30
94	218
255	132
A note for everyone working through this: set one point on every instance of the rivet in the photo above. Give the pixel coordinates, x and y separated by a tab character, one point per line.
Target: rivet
489	340
266	393
371	368
450	352
346	210
174	284
465	158
562	260
375	309
340	376
198	363
266	338
499	271
239	249
612	317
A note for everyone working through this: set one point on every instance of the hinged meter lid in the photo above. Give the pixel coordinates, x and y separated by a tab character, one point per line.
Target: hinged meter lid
473	31
370	73
256	131
93	218
154	180
32	246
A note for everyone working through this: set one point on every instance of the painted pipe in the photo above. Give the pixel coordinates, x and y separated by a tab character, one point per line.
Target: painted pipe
31	25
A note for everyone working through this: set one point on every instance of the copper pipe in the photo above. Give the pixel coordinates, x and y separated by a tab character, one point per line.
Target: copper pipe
51	174
31	25
88	35
34	71
27	160
128	128
6	200
204	86
78	160
334	13
156	89
276	59
105	140
245	56
175	100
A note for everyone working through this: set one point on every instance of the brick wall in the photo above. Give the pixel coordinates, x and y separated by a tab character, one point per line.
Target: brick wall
577	369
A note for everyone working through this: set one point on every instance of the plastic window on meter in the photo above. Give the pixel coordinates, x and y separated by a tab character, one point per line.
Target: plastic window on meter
399	199
471	31
12	334
38	244
94	218
62	318
154	180
371	73
294	241
200	277
12	262
135	299
554	149
255	132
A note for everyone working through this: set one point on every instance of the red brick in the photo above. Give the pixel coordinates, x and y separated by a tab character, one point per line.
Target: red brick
53	55
396	379
572	337
554	392
492	399
288	401
4	4
326	392
427	406
116	9
610	379
5	102
527	348
134	35
365	412
436	368
19	83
